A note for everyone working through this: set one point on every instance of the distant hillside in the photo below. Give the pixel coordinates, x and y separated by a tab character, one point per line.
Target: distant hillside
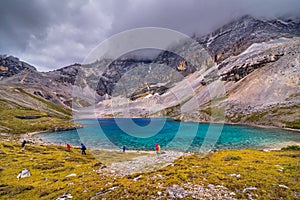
22	112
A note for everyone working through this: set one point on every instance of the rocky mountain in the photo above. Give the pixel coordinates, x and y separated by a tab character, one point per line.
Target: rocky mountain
10	66
245	72
237	36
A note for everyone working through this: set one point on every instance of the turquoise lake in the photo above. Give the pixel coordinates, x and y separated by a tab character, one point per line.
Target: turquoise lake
144	133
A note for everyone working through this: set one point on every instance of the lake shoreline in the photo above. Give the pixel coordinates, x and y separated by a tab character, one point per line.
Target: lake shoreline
211	122
31	136
39	141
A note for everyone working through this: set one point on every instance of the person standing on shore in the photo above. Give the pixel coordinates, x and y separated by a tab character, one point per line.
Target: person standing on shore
23	145
83	148
68	147
157	148
124	148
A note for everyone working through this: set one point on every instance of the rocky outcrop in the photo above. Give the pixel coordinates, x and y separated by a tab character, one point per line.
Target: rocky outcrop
262	85
68	74
148	91
238	72
237	36
182	66
10	66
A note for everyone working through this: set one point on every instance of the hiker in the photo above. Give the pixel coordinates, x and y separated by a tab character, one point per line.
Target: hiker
156	148
68	147
23	145
124	148
83	148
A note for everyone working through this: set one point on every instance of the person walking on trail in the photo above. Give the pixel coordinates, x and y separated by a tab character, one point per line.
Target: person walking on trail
68	147
23	145
83	148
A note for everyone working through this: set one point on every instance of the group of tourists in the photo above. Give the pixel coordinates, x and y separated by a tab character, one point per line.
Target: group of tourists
83	147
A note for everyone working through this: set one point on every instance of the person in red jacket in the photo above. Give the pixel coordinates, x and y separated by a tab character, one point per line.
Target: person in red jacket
68	147
157	148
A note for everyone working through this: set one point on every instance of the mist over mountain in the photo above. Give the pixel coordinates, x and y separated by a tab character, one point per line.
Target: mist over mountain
53	34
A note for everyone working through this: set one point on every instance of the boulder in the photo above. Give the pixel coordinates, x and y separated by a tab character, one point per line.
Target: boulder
65	196
24	173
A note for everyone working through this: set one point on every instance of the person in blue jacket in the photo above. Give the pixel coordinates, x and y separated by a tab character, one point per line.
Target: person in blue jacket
83	148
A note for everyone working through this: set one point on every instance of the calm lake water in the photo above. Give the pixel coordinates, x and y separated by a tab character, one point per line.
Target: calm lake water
144	133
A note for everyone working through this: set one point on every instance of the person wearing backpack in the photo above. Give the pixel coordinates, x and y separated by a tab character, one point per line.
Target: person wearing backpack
83	148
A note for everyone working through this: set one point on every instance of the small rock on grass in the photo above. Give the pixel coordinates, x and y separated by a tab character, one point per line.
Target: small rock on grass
24	173
70	175
249	189
97	164
238	176
65	196
137	178
283	186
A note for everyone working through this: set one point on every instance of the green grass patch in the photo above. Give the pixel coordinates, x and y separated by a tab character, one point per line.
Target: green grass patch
53	106
49	167
218	112
291	148
256	117
256	168
18	119
229	157
294	124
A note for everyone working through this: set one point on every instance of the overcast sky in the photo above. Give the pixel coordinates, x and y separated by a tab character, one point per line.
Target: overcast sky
50	34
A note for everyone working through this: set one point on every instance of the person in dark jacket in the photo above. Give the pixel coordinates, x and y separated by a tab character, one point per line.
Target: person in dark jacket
83	148
23	145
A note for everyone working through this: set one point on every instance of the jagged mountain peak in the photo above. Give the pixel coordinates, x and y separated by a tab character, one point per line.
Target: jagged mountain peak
10	65
236	36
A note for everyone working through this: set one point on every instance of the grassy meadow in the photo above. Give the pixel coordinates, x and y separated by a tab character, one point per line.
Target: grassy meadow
268	172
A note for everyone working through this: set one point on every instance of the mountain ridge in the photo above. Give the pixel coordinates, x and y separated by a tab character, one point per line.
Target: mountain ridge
237	54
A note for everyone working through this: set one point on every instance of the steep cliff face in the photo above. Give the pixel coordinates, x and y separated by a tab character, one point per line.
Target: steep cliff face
270	93
261	86
237	36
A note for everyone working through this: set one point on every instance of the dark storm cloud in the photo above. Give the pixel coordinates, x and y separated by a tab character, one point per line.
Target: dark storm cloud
191	16
51	34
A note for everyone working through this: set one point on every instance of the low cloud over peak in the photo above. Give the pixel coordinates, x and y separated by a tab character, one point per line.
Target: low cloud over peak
52	34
